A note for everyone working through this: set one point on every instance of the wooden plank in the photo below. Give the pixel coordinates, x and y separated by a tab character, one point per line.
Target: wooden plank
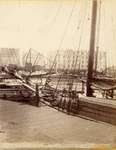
98	117
104	87
104	102
98	107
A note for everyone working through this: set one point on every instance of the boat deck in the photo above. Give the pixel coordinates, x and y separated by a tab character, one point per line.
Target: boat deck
100	101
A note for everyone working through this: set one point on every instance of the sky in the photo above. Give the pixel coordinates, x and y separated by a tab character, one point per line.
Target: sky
49	25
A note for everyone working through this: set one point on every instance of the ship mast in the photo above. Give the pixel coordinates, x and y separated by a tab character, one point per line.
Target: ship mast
92	49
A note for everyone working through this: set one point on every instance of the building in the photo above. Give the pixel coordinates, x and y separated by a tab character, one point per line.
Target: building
9	56
70	60
101	61
111	71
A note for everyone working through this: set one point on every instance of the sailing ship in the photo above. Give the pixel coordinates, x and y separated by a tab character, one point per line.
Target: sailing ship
67	94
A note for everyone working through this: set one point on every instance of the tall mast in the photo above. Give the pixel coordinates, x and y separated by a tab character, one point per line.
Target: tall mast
92	49
96	58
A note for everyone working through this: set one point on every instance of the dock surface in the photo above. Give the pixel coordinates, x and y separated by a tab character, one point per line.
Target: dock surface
21	123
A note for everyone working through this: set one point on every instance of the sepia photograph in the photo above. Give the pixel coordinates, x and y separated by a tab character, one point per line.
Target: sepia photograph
58	74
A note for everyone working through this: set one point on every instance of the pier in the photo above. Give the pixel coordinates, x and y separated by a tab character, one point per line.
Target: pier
21	123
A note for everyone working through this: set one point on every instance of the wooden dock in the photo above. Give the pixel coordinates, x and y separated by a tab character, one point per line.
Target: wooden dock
44	126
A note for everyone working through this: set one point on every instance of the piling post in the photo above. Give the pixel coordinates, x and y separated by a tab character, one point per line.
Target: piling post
37	96
83	86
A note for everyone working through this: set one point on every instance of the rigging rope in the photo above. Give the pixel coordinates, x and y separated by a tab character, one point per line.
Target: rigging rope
113	38
75	64
68	67
62	39
53	21
67	58
79	24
